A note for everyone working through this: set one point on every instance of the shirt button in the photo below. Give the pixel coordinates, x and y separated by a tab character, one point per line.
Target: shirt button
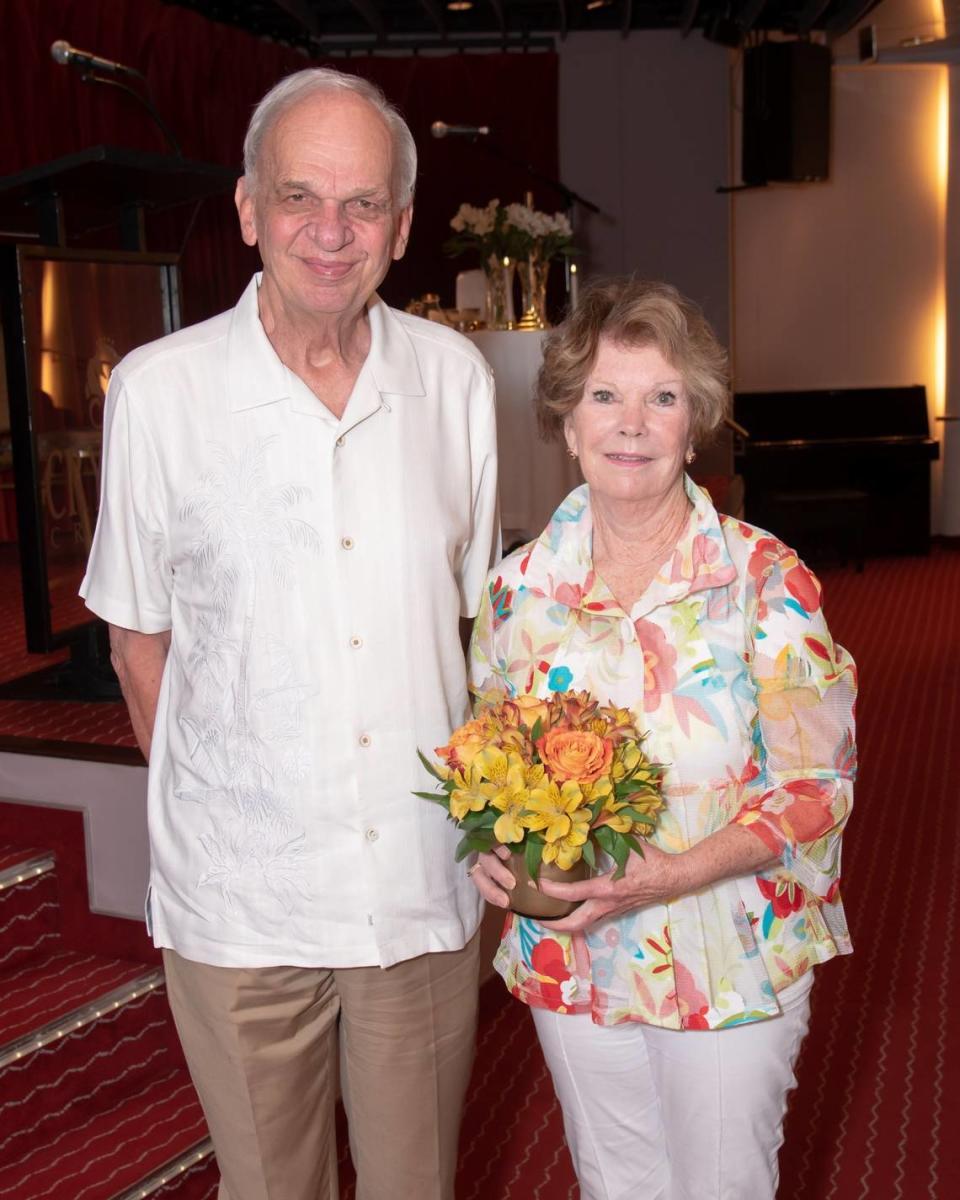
371	835
347	543
356	642
365	740
341	441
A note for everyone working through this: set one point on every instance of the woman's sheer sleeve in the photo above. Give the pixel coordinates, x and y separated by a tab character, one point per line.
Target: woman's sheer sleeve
804	734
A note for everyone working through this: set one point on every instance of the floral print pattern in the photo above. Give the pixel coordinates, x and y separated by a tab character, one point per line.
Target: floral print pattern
727	663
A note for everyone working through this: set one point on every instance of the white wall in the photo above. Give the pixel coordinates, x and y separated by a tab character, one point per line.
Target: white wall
643	133
838	284
114	803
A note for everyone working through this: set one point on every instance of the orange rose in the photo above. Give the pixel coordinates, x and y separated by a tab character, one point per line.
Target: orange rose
531	709
575	754
465	744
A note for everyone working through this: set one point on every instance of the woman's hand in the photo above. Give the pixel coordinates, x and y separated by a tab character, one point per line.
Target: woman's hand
491	878
658	876
649	880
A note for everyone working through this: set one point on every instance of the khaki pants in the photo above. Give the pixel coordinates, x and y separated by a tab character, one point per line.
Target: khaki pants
262	1046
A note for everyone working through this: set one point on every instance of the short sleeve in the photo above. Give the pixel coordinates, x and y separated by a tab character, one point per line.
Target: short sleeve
804	736
128	580
484	547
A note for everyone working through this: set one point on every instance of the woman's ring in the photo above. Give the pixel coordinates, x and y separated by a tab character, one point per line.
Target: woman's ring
471	870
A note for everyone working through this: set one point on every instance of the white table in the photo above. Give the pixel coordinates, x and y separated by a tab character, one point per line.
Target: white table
534	475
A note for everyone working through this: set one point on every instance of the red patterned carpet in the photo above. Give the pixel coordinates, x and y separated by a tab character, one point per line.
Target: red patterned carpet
91	724
877	1110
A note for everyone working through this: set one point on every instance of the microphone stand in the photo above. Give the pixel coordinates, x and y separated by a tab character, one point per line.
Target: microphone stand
570	198
91	76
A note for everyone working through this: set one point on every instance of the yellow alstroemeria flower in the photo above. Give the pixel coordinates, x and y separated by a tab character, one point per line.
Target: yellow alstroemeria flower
493	764
600	789
511	824
551	806
626	758
534	774
611	815
470	793
567	850
619	722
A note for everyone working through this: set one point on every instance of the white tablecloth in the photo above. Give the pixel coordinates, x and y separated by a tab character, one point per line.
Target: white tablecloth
534	475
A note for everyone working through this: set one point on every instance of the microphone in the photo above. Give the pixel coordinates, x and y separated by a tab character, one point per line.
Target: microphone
441	129
67	56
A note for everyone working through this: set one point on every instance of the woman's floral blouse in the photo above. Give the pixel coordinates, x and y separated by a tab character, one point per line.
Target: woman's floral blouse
726	661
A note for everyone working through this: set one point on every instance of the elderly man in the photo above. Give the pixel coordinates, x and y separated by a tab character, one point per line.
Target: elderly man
299	502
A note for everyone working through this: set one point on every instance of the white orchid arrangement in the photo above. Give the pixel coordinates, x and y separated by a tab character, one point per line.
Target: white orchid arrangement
515	231
546	236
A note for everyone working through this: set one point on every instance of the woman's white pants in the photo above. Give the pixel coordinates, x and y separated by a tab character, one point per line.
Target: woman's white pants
662	1114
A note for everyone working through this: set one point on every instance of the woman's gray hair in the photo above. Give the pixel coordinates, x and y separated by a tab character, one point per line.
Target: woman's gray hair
298	86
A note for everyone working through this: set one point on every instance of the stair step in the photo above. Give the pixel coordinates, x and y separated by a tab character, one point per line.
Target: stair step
193	1173
20	860
29	905
102	1155
51	995
93	1066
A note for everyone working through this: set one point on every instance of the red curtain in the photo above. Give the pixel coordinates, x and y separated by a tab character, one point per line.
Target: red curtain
205	78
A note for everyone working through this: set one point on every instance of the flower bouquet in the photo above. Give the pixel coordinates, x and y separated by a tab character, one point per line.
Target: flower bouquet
555	781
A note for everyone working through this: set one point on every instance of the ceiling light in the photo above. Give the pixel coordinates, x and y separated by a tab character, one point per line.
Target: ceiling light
592	4
459	5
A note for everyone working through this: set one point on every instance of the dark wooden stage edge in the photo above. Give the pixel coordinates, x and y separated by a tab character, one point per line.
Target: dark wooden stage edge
125	756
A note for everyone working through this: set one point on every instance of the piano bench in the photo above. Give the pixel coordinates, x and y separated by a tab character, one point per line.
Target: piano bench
822	523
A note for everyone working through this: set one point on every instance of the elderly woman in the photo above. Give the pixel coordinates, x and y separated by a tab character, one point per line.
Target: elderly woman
671	1004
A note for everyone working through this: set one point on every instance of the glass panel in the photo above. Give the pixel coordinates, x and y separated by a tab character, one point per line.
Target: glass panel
80	319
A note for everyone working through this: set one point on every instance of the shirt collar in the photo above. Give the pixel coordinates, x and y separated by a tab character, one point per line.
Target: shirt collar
560	564
257	376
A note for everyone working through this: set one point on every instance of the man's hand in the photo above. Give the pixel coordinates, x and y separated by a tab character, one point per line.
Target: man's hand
139	659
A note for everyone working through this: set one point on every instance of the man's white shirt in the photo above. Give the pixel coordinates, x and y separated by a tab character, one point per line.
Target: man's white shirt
311	572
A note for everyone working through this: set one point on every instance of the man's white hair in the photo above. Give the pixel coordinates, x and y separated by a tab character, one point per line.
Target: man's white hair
298	86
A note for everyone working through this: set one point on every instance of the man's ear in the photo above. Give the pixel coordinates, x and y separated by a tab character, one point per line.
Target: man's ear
403	232
246	210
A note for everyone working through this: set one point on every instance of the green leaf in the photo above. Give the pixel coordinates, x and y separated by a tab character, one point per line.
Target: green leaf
605	838
472	843
537	731
590	855
645	819
430	768
436	797
634	845
620	853
533	854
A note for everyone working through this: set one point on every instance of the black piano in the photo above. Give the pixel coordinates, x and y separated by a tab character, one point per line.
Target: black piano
838	474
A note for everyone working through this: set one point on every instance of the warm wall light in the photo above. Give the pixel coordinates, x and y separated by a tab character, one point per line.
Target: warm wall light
592	4
459	5
943	171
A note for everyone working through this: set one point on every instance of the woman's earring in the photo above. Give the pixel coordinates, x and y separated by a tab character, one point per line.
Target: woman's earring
690	456
572	453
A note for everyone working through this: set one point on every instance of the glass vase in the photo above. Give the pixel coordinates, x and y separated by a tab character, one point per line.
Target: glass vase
533	291
499	274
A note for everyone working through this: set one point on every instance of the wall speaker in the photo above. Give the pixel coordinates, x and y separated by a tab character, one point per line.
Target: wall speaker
786	112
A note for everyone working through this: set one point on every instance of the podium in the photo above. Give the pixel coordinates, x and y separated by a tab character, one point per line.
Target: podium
69	315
